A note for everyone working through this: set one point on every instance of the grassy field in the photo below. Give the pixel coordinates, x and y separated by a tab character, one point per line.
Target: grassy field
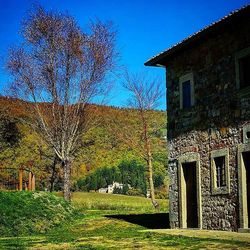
120	203
122	222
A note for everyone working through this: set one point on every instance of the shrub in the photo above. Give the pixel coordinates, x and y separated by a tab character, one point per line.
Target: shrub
135	192
161	193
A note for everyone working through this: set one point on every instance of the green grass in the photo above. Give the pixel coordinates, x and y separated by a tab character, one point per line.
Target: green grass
94	230
120	203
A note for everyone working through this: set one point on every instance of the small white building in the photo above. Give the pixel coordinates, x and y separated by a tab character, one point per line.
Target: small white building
111	187
102	190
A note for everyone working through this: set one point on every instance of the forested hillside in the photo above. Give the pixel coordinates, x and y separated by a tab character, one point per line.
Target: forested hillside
104	145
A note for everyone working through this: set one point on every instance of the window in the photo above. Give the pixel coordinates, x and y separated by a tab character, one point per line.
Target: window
220	171
186	85
242	64
246	133
244	71
186	94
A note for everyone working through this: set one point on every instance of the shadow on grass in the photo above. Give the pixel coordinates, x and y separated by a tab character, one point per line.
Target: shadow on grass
150	221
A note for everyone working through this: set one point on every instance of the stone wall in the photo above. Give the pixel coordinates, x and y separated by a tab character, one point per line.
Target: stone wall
215	121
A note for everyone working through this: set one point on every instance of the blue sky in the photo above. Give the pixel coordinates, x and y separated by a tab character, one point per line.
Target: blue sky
145	27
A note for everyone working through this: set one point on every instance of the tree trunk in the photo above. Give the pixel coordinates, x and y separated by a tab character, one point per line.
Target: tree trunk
149	161
151	183
66	184
53	175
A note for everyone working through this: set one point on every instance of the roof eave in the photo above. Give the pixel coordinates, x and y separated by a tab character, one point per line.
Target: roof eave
156	61
162	58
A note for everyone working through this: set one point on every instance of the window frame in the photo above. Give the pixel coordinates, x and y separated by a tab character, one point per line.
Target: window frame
238	56
223	189
183	79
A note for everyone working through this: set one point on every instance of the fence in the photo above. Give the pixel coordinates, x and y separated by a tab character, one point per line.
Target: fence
17	179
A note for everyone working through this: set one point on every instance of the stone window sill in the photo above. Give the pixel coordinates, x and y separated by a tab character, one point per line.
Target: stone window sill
186	110
220	191
245	92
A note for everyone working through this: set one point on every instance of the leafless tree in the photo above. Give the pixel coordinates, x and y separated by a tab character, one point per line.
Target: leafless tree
58	70
145	95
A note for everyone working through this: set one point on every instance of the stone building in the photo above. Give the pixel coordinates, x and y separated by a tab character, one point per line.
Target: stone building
208	103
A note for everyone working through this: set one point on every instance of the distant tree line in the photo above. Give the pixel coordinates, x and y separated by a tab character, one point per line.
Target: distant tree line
127	172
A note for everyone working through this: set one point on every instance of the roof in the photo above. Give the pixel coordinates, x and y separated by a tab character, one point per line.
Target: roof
162	57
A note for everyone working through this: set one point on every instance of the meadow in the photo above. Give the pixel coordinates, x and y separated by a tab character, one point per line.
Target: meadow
117	202
105	221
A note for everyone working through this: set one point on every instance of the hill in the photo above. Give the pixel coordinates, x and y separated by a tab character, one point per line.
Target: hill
101	147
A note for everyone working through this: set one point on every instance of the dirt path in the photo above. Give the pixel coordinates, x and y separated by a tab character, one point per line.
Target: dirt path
204	234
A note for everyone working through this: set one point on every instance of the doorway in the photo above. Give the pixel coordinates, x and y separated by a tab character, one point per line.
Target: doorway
246	162
190	191
189	171
244	185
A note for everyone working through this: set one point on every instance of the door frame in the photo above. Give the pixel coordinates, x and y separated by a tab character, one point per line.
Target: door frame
242	148
188	158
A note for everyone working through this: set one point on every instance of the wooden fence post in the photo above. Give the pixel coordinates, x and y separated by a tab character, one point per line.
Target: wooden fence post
33	183
20	179
30	182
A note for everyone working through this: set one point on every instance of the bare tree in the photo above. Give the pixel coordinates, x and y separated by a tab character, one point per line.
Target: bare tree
58	70
145	96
